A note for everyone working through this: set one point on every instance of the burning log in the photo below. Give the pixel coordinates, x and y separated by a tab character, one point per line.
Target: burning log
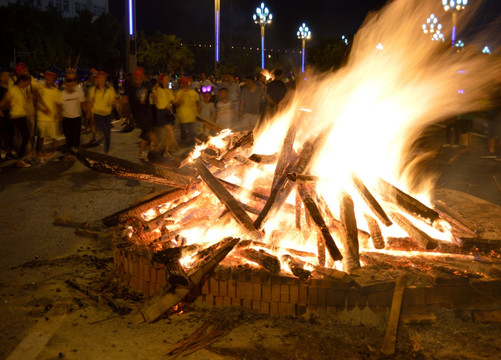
303	178
261	257
160	220
263	159
455	219
175	274
170	296
419	236
296	266
285	154
390	338
143	206
349	232
238	188
375	231
227	199
243	143
283	188
298	210
204	253
295	252
369	199
211	125
406	202
174	254
321	249
319	221
334	274
120	167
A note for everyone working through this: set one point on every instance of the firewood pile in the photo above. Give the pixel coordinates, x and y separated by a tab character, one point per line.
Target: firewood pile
213	214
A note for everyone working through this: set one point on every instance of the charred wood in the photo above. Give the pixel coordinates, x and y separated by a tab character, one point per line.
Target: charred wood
160	220
319	221
124	168
375	231
333	274
261	257
243	143
370	200
284	156
263	159
405	201
349	233
174	254
296	267
321	249
298	210
455	219
238	188
142	207
211	125
419	236
303	178
227	199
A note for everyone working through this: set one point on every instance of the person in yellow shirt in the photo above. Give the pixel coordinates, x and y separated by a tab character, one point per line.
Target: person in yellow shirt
187	104
102	98
17	100
48	116
164	118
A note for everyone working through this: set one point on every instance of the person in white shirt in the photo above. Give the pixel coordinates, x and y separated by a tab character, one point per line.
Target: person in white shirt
72	100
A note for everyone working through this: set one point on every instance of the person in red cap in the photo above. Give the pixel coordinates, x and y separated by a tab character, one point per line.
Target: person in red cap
48	116
137	95
187	104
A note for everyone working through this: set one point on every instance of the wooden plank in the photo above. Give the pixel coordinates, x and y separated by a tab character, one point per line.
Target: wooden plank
370	200
419	236
349	233
390	338
211	125
239	214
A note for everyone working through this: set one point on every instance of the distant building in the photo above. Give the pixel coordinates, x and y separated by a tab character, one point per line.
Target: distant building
68	8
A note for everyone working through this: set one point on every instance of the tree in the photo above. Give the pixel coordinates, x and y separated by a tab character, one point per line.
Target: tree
329	53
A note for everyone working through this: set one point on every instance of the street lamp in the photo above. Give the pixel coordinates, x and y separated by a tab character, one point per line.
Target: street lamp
217	7
303	34
454	6
459	45
432	25
486	50
262	17
130	40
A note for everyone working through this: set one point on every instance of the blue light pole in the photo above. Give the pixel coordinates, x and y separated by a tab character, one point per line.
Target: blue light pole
217	10
130	43
262	17
454	6
303	34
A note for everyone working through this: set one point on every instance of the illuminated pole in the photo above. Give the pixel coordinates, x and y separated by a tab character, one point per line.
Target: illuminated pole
262	17
303	34
130	40
433	27
454	6
216	36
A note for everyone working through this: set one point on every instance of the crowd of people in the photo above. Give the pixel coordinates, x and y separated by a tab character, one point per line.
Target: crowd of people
33	112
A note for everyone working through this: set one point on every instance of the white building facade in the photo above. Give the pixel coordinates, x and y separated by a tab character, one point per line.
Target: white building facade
68	8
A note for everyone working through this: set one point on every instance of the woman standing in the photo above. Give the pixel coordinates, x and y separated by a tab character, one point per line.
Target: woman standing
164	118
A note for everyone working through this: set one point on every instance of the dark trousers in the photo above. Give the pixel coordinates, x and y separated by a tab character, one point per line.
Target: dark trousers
71	130
104	122
21	124
188	132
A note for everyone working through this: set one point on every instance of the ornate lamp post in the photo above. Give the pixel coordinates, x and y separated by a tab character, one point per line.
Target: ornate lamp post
454	6
262	17
433	27
130	37
303	34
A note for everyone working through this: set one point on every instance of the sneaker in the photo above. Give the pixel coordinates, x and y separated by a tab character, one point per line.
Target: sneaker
488	156
22	163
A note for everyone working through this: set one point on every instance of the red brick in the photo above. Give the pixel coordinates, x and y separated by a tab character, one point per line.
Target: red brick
284	294
414	296
153	288
227	301
205	287
312	308
266	292
218	300
322	296
135	266
145	288
209	299
247	303
153	275
275	292
312	295
301	309
232	288
256	305
336	297
265	307
248	290
294	294
161	277
373	300
362	301
147	271
351	298
223	288
213	286
256	291
303	295
240	289
237	302
283	308
273	308
331	310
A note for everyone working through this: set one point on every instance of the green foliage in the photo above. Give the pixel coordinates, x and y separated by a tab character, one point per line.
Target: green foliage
328	54
163	53
44	38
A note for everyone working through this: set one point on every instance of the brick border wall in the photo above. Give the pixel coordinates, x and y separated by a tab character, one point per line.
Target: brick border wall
276	294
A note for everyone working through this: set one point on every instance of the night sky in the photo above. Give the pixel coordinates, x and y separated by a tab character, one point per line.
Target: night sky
193	20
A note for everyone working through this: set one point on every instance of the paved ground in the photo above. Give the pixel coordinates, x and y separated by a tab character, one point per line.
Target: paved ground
38	258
